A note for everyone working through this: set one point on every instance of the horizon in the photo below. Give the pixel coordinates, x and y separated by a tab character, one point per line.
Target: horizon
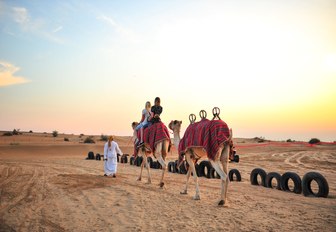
83	67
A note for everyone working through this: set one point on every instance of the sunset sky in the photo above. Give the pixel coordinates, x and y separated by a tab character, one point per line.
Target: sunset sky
90	66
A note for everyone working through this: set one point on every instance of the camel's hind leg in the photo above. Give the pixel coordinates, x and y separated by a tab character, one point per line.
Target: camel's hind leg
149	176
161	151
223	172
185	191
192	170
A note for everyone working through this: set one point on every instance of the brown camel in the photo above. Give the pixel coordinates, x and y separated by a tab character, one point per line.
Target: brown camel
192	154
161	151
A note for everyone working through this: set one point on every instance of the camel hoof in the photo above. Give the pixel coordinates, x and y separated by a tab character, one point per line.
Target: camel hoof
161	185
196	198
221	202
139	179
184	192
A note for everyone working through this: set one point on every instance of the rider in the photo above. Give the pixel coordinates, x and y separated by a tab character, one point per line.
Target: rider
156	111
144	120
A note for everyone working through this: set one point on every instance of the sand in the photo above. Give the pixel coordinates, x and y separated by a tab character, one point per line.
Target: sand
47	185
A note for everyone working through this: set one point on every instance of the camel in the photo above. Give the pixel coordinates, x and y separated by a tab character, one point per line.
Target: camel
192	154
161	151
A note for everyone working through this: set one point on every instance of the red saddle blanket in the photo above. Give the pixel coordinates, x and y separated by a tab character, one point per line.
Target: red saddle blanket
154	134
206	134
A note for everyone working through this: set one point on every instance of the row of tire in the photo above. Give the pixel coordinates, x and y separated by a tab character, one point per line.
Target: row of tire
300	185
203	169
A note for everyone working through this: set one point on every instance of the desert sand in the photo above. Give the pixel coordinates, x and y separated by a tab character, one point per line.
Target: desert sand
47	185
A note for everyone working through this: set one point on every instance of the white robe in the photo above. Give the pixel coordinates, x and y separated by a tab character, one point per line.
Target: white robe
110	153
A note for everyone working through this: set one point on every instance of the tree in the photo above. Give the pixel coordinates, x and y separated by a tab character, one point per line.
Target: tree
55	133
314	141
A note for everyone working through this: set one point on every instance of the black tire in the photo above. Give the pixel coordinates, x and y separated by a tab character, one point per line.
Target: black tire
91	155
254	176
150	161
125	159
236	158
197	167
321	181
138	161
208	169
295	178
236	173
201	168
98	156
118	158
170	166
183	169
132	160
158	165
273	175
175	169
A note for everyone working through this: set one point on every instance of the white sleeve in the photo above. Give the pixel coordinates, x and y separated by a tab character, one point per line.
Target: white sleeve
118	149
105	151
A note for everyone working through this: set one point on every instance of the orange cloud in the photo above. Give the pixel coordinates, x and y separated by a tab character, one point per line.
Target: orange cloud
7	77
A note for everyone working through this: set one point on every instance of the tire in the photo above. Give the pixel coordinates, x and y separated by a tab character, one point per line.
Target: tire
118	158
158	165
197	168
132	160
138	161
170	166
201	168
98	156
236	173
273	175
90	155
183	169
175	169
254	176
321	181
295	178
236	158
125	159
207	169
150	161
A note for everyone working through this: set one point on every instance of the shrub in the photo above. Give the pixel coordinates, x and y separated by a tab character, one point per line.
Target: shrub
314	141
103	138
30	131
55	133
89	140
16	132
289	141
66	139
8	133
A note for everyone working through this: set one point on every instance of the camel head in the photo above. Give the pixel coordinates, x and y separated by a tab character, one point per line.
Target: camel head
175	126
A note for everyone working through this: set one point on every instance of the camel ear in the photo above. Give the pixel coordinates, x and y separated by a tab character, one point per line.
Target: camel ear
180	122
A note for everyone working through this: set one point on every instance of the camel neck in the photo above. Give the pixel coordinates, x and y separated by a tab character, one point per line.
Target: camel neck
176	139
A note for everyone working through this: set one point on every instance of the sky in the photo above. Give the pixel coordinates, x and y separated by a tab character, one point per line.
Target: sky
90	66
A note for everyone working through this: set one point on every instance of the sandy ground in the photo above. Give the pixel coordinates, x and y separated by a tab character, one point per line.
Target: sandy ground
47	185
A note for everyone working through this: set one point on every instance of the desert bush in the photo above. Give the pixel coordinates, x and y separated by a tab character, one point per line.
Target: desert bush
8	133
89	140
314	141
103	138
30	131
16	132
55	133
290	141
66	139
259	139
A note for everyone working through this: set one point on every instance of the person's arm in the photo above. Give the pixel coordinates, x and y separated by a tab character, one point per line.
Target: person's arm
118	149
142	118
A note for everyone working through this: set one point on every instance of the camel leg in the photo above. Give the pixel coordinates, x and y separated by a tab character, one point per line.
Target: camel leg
185	191
149	176
193	171
142	166
163	147
223	172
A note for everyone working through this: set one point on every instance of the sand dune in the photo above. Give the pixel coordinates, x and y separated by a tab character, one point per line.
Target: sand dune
47	185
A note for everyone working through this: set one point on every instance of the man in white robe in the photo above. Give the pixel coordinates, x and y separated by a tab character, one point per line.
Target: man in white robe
111	149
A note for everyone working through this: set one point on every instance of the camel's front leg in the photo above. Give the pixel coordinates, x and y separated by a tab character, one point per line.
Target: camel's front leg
149	176
142	166
193	170
185	191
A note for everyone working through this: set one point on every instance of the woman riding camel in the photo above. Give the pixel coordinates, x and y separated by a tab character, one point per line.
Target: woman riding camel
144	120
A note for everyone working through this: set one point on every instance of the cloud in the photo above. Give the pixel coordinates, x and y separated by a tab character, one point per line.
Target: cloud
35	26
122	31
7	77
57	29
